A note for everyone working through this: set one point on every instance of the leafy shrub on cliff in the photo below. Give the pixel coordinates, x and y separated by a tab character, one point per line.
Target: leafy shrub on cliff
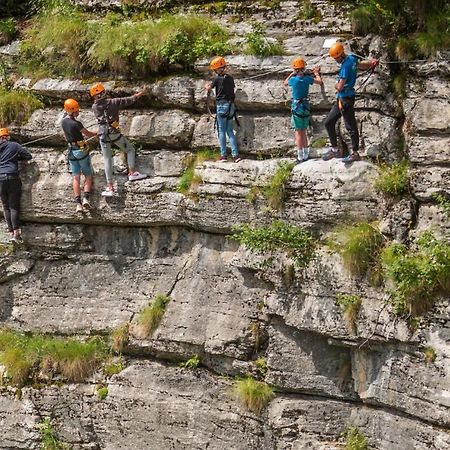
191	363
16	106
296	242
393	180
7	31
359	246
355	440
350	305
257	43
49	437
68	42
444	203
422	25
253	395
419	275
150	317
25	356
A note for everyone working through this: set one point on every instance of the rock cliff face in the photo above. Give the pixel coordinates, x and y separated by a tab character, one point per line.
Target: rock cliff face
85	275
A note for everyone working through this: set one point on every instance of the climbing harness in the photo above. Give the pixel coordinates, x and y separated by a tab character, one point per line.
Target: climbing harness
301	108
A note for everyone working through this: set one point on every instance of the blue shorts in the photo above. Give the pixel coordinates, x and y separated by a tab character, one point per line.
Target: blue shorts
80	163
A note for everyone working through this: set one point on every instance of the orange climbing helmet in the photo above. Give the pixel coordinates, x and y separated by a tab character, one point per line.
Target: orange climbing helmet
298	63
97	88
336	50
4	132
217	63
71	105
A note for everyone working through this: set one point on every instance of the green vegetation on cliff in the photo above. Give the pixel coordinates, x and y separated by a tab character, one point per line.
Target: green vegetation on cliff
350	305
16	106
28	358
393	180
418	275
423	25
359	245
69	42
252	394
296	242
150	317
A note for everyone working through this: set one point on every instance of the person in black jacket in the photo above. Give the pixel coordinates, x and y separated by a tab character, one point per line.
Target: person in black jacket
10	184
106	111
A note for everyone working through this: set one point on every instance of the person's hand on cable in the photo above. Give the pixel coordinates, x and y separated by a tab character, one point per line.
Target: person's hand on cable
374	63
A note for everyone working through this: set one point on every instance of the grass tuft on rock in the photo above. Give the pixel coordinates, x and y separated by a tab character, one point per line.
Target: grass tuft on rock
350	305
297	243
444	203
393	180
429	354
275	190
16	106
418	275
120	337
26	356
150	317
189	179
253	395
359	246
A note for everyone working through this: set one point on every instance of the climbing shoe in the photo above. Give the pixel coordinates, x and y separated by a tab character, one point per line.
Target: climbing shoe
135	176
108	192
330	154
223	159
86	204
351	158
236	159
79	208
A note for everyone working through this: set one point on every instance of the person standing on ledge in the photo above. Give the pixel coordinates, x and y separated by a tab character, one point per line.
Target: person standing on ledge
345	101
106	111
10	185
225	109
299	82
79	158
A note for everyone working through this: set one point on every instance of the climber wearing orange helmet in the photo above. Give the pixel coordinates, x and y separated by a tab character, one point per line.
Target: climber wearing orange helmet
344	106
106	111
10	185
299	82
78	154
225	109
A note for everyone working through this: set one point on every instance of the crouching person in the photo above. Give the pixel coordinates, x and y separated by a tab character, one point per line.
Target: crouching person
79	158
10	185
106	111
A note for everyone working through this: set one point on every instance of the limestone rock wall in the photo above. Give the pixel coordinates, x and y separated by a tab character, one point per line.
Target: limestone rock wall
89	274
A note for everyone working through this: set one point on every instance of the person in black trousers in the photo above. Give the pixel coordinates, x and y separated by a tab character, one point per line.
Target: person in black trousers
10	184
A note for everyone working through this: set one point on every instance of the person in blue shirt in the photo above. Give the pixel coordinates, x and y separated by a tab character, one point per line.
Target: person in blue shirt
345	101
299	82
10	186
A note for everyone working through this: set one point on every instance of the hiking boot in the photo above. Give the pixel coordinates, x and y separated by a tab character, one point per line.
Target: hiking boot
236	159
135	176
223	159
86	204
330	154
108	192
351	158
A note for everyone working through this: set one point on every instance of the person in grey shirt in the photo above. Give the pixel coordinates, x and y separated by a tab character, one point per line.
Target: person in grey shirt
106	111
